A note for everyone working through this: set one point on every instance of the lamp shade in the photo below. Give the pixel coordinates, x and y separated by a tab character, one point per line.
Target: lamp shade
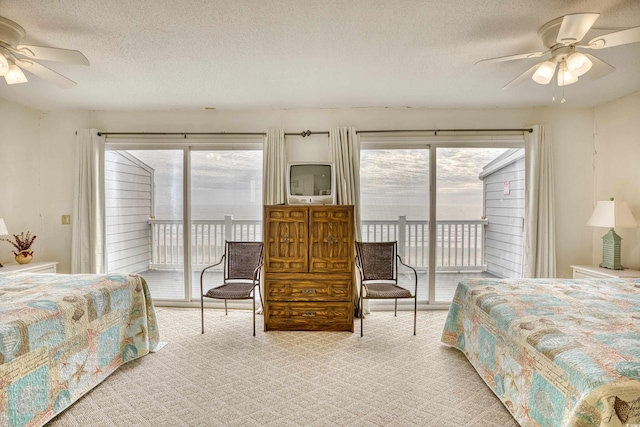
564	75
15	75
578	64
4	65
612	214
3	228
544	73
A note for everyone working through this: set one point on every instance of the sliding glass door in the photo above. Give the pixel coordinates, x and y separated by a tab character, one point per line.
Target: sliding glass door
456	210
170	209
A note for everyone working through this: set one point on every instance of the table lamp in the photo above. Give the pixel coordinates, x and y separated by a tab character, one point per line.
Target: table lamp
3	231
612	214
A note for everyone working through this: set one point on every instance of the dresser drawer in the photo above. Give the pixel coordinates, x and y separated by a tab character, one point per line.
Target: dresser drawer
308	290
581	274
308	316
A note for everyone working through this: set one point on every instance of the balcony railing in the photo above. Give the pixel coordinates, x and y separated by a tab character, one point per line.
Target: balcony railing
460	243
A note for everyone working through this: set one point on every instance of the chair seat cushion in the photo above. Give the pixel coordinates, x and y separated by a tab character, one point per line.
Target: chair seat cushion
238	290
386	290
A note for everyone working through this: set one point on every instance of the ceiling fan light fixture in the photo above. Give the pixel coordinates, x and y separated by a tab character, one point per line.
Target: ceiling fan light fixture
564	75
544	73
15	75
578	64
4	65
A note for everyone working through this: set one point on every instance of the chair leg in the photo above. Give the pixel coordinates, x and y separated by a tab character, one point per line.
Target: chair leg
260	294
415	313
395	308
225	307
202	310
361	313
254	312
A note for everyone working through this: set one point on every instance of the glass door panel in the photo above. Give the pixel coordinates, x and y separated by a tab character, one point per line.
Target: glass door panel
394	197
480	215
226	204
144	218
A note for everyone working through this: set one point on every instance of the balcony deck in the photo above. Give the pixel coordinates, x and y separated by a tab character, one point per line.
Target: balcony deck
169	284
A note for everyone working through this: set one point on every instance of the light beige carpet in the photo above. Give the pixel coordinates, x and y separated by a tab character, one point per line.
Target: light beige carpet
226	377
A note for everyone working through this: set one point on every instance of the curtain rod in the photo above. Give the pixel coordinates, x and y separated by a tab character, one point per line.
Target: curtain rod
309	133
434	131
182	133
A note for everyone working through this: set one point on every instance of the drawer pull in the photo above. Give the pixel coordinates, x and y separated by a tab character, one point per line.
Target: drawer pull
308	291
308	314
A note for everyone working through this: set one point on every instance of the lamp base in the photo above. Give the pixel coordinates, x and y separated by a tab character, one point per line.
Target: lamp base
611	248
611	268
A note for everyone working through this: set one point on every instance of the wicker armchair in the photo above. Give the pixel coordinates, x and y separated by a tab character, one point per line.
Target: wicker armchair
242	265
377	263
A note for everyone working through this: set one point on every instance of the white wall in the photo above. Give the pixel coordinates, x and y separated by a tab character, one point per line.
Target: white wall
20	175
572	135
617	169
571	130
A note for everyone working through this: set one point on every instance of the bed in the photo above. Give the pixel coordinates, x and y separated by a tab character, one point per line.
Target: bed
61	335
555	352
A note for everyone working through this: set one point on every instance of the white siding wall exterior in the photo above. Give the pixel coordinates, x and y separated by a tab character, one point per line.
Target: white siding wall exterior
128	206
504	233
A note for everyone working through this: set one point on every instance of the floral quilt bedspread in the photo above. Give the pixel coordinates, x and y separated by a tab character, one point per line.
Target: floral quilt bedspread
61	335
557	352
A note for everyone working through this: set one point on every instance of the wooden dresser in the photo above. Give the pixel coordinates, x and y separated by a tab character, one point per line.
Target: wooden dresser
308	282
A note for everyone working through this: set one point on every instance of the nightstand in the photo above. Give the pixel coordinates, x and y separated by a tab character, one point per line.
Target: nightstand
595	272
32	267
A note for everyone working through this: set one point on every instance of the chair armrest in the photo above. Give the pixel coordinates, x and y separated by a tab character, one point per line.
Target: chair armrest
402	262
415	274
359	267
256	272
208	267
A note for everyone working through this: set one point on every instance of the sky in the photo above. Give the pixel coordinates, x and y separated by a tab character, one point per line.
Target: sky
396	182
393	183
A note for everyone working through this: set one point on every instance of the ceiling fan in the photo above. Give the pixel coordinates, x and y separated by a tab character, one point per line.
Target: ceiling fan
561	37
15	57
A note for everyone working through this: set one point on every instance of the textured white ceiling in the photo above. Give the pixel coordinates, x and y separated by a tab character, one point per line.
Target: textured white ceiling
283	54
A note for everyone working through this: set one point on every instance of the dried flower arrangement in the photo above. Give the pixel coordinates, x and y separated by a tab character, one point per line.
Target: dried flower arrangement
22	243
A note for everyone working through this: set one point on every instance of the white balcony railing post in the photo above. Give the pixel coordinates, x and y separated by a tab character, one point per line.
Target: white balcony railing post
228	227
402	236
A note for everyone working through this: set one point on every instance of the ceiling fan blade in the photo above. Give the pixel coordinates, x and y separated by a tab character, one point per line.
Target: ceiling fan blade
512	57
53	54
522	77
599	68
575	26
45	73
630	35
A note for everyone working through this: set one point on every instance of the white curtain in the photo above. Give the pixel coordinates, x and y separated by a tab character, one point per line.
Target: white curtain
539	239
344	144
274	168
274	171
88	245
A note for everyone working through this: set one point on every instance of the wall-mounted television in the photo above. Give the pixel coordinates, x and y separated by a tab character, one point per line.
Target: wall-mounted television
311	183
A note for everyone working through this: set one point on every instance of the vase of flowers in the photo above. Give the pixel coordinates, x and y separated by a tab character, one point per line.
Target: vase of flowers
22	243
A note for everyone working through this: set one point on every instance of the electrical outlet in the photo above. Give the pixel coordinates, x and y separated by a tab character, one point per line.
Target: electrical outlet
66	219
